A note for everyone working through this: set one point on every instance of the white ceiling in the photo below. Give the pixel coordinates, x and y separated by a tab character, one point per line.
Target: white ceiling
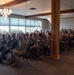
43	6
67	4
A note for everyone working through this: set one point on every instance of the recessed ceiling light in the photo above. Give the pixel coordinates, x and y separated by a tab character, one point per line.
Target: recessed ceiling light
28	1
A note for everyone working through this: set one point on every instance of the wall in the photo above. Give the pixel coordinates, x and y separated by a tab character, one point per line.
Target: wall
45	25
67	23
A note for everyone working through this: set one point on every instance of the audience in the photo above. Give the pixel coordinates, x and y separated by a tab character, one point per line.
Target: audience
6	49
36	44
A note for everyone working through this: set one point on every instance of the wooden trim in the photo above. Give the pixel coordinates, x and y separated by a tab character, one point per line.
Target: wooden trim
67	11
49	13
41	14
15	2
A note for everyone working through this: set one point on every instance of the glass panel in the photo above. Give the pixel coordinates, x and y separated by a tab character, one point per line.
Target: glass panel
4	29
13	21
14	29
27	22
38	28
38	24
22	22
32	23
21	29
4	21
32	29
28	29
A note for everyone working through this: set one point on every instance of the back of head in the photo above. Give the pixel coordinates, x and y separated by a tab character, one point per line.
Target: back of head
9	37
13	36
21	37
3	36
40	34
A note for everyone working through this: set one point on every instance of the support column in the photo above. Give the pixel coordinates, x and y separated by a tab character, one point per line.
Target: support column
55	29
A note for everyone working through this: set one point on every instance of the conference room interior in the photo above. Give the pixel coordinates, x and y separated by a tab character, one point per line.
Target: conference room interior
48	17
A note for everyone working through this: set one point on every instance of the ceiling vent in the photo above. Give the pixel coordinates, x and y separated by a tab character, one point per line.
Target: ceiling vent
32	8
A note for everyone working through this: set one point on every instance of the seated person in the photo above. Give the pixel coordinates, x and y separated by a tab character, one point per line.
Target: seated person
2	43
8	42
18	51
31	47
12	45
47	45
40	44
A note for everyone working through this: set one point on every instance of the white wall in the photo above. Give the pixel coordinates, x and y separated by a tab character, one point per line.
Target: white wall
67	23
45	25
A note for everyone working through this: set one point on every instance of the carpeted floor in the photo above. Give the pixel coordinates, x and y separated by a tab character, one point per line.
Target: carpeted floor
42	66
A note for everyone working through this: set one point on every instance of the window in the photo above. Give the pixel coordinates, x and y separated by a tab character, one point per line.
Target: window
27	23
14	29
32	23
32	29
38	24
28	29
21	22
21	29
19	25
4	29
4	21
13	21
